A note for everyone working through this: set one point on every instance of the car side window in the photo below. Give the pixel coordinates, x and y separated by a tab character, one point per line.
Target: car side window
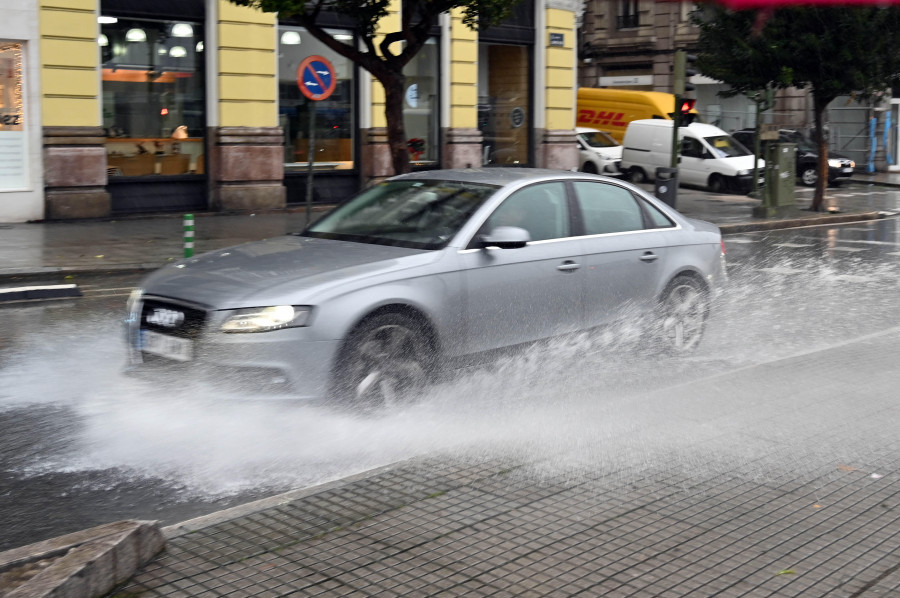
607	208
691	148
540	209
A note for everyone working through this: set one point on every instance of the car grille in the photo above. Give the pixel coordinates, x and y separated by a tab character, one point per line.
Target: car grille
172	318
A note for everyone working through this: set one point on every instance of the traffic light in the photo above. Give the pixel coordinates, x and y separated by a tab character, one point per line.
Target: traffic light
685	105
682	71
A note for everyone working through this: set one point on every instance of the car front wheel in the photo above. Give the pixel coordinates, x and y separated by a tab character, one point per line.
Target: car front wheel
717	183
808	176
682	315
637	175
385	362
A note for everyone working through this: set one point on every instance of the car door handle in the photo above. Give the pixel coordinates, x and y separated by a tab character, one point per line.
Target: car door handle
568	266
649	257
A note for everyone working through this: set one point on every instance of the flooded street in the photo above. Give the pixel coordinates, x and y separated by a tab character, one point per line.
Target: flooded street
82	444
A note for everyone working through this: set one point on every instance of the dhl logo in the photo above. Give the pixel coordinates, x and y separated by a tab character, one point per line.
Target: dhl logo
593	117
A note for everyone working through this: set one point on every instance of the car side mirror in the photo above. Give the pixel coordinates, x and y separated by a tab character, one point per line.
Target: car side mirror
505	237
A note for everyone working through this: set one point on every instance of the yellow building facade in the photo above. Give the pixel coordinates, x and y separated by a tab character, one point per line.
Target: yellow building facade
200	104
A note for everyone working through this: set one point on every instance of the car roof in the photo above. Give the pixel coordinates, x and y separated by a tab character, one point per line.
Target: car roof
491	176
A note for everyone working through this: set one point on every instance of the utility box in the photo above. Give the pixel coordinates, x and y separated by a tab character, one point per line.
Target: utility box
665	187
780	177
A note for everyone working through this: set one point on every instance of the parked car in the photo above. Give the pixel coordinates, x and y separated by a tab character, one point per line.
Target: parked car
421	269
599	153
840	167
709	157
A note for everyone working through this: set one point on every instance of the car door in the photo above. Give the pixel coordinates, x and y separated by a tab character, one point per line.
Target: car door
528	293
623	255
695	167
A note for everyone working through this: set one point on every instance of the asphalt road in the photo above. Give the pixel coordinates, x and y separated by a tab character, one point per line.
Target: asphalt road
81	444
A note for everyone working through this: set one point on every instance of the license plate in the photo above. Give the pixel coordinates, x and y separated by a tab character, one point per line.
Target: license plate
171	347
848	171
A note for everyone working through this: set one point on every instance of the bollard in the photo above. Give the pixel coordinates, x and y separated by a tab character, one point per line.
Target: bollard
188	235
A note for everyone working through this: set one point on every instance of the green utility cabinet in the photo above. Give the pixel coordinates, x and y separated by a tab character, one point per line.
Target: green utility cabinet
780	177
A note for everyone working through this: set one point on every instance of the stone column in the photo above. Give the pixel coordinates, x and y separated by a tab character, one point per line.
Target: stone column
75	173
559	150
246	169
376	158
462	148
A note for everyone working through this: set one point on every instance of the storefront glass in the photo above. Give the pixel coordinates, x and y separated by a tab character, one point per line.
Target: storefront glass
334	118
420	106
13	147
153	96
504	103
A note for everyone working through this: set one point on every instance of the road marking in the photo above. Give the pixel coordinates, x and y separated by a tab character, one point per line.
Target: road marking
793	245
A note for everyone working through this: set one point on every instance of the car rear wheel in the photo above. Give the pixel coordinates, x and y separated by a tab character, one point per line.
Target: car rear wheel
681	320
808	176
385	362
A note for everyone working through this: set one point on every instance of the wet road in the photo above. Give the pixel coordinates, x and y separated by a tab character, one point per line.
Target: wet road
81	444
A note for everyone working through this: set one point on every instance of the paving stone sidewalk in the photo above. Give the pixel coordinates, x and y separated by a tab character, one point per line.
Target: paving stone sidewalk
756	493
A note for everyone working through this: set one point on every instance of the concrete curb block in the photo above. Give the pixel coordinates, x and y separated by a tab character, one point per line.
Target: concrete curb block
34	292
747	227
83	564
198	523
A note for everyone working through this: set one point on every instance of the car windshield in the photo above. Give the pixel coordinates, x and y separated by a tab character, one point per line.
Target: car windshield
804	144
598	139
725	146
421	214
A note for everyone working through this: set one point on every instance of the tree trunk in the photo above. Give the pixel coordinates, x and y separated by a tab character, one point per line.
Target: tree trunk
819	106
393	112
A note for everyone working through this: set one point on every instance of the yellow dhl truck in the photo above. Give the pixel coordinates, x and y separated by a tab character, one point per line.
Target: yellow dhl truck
609	109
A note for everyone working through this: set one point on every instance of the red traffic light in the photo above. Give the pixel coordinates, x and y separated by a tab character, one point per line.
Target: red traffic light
686	105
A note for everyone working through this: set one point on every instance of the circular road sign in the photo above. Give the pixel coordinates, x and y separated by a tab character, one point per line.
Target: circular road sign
316	78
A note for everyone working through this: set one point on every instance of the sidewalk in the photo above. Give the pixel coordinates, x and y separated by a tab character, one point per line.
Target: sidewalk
56	249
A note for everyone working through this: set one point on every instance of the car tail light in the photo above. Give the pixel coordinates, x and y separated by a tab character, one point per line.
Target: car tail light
722	243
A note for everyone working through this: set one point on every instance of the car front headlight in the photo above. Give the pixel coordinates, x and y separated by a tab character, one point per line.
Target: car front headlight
263	319
834	163
743	172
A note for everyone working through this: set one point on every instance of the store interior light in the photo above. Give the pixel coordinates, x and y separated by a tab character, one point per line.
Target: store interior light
162	51
199	46
290	38
107	20
182	30
177	52
136	35
103	40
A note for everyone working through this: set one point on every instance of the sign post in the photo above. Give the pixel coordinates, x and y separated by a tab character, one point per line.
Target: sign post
316	79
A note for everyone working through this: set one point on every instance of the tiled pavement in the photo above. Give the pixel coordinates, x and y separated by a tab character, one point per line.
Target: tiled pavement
793	502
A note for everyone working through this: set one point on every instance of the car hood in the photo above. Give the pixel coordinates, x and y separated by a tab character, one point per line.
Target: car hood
272	268
610	153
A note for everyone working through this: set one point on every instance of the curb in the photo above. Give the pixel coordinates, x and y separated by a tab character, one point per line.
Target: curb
80	565
747	227
31	293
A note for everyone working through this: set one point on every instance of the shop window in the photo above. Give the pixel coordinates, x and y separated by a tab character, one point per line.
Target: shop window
420	110
504	103
13	140
333	116
153	96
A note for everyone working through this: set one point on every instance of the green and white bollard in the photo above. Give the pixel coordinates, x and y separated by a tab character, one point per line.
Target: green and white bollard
188	235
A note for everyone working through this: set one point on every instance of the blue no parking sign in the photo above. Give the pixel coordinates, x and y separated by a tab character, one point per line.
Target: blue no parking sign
316	78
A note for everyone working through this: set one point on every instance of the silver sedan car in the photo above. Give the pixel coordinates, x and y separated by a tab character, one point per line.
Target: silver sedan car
424	269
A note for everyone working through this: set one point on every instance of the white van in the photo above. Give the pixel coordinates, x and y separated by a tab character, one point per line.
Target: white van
710	157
